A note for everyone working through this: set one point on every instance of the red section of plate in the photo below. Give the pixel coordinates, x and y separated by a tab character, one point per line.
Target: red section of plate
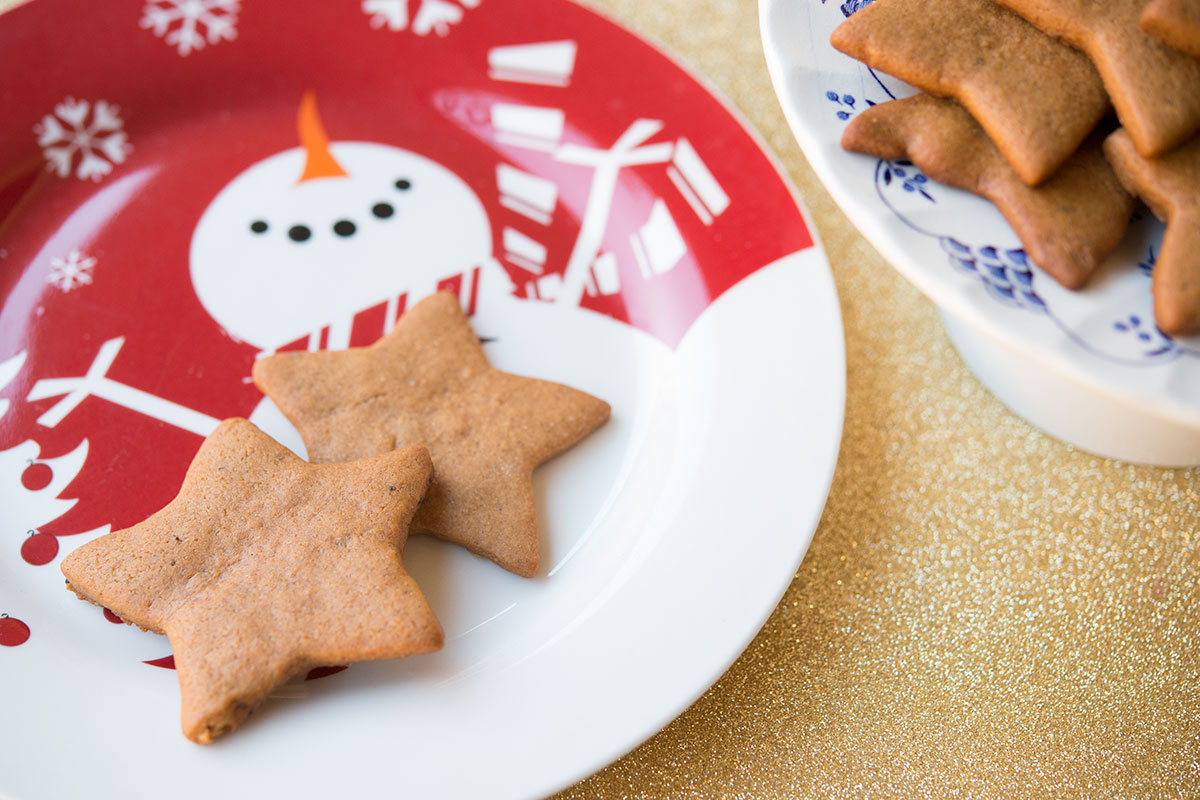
604	176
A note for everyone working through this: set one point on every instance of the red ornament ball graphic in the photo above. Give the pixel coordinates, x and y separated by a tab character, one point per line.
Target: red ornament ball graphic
37	477
39	548
12	631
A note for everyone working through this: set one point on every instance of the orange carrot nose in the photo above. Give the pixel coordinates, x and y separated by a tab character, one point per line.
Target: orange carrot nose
318	162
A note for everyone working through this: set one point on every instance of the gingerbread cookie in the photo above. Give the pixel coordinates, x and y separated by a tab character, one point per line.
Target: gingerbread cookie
1170	185
1175	23
1067	225
264	567
1154	88
428	382
1036	98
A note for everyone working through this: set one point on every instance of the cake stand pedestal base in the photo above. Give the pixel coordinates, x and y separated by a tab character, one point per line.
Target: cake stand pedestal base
1077	414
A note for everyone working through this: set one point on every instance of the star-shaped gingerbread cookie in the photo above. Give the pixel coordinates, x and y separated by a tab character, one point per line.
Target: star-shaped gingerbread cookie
1154	88
429	382
1037	98
265	566
1170	185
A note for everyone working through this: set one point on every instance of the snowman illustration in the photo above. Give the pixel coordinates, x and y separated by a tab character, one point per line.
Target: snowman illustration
298	244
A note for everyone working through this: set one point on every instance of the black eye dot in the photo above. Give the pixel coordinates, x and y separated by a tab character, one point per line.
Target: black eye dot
404	184
382	210
344	227
258	226
299	233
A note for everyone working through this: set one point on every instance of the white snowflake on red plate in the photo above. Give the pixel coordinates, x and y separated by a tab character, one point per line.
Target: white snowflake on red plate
433	16
71	272
92	131
188	25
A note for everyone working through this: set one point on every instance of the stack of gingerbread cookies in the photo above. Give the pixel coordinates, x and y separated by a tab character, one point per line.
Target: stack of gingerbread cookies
1056	111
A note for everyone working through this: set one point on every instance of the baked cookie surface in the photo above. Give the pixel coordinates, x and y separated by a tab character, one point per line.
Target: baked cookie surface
429	382
265	566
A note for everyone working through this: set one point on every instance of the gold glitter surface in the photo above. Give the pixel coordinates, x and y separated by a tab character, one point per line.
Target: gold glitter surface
983	612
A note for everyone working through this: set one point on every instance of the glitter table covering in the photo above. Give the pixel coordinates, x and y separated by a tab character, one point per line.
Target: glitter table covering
983	611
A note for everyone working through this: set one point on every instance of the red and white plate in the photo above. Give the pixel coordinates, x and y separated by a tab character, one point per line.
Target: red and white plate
187	184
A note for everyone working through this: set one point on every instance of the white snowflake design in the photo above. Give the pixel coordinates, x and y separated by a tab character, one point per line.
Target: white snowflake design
91	130
433	16
71	272
188	25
